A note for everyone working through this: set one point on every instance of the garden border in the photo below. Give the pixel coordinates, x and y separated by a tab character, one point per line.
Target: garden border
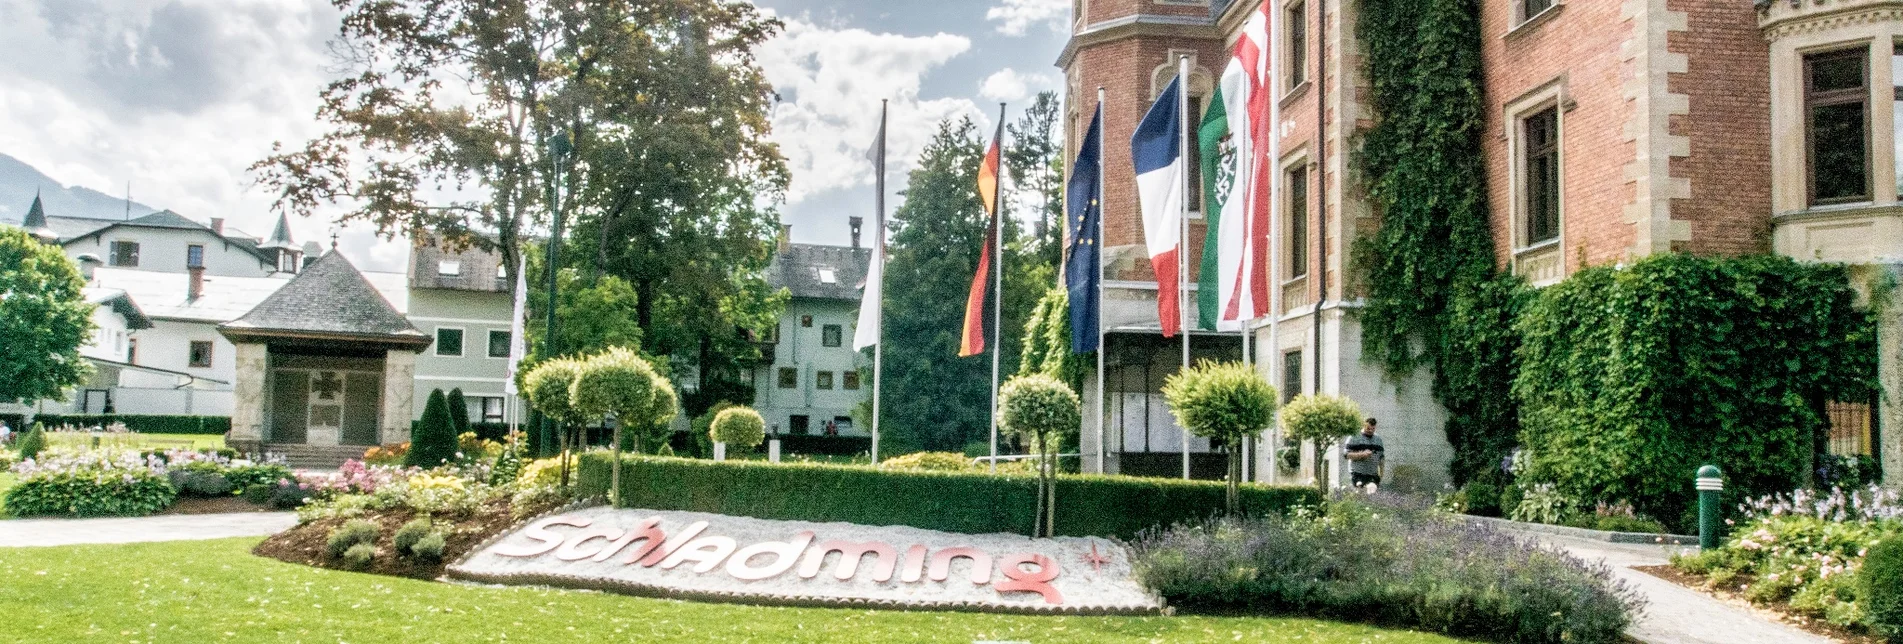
1587	533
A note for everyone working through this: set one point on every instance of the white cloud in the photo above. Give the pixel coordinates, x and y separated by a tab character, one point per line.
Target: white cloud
1015	87
177	97
830	82
1015	17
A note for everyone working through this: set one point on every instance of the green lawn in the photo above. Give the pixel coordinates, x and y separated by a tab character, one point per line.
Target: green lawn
217	591
140	441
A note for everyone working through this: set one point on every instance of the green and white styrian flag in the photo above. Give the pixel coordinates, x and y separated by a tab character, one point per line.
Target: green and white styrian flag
1219	174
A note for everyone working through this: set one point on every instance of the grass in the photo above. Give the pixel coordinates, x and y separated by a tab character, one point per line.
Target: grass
137	441
216	591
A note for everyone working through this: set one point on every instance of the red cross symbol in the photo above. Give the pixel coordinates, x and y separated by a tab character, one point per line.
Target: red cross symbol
1096	560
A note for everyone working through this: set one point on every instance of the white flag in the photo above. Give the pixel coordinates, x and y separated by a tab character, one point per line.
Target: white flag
518	343
1243	235
866	334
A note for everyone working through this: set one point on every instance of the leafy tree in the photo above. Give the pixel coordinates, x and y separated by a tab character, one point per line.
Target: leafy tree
1036	161
739	427
618	382
935	400
1045	411
458	411
547	386
435	440
592	315
1324	419
1226	401
44	319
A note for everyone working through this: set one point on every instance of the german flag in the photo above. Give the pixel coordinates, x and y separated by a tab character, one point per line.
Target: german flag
972	341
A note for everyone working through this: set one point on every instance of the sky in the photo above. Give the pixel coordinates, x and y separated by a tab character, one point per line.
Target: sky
178	97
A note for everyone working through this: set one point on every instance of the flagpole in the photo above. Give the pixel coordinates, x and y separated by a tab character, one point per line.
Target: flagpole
997	309
1272	237
1182	253
1101	347
878	314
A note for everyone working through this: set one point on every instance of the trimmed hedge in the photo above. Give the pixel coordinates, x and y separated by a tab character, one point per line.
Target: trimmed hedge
971	503
143	424
823	445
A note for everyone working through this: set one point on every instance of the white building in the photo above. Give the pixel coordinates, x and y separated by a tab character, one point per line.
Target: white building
813	380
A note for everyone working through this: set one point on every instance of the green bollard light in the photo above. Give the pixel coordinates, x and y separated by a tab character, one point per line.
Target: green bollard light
1711	486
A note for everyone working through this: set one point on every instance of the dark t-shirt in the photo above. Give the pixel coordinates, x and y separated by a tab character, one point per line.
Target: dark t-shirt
1370	466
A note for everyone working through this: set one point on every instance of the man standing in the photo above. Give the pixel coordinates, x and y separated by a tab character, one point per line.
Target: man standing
1368	456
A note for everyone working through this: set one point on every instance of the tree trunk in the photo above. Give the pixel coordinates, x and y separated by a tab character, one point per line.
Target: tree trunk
614	478
1235	478
1050	490
564	456
1037	522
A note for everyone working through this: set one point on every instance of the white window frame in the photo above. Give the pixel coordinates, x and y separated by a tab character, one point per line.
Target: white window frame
1551	95
1286	227
462	348
449	268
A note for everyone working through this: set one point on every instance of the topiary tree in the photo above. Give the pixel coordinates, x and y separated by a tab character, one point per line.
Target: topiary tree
700	432
435	438
1227	401
619	382
740	427
548	386
1881	581
458	411
660	415
1044	410
1324	419
33	442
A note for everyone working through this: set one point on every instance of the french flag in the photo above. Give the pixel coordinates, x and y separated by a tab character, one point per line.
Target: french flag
1156	150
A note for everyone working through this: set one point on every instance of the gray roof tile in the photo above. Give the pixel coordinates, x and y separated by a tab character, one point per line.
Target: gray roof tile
329	298
802	269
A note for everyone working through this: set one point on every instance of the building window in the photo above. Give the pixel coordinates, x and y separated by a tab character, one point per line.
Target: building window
1291	375
828	276
449	342
806	321
1531	8
1836	105
830	334
1295	34
1540	176
194	256
824	380
789	377
200	354
449	268
801	424
125	253
498	344
491	409
132	351
1297	178
1195	167
849	380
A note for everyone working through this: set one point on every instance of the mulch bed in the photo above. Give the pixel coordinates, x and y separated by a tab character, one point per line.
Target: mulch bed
304	544
215	505
1782	610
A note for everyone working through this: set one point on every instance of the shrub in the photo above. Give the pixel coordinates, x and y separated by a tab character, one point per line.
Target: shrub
1044	412
1482	497
738	427
700	442
435	441
409	534
971	503
1543	504
930	461
1390	565
288	495
359	557
1226	401
91	493
1881	582
33	442
206	484
508	465
1631	378
352	533
391	454
257	493
244	476
429	548
1321	418
458	412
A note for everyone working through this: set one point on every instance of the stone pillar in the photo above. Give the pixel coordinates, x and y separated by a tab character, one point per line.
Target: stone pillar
248	389
399	387
1890	376
1088	432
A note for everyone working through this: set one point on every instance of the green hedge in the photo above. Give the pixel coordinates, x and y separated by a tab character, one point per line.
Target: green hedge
1107	506
824	445
1631	378
143	424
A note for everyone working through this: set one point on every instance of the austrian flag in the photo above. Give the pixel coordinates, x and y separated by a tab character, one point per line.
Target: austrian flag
1156	150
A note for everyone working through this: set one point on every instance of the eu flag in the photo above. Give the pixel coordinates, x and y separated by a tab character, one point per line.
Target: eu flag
1082	216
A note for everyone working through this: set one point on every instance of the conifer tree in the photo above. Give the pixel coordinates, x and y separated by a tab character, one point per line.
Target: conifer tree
435	439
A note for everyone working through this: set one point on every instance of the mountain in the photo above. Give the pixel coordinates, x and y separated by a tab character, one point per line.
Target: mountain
18	181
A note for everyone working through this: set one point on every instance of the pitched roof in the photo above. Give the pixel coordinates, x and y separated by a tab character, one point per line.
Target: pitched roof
804	270
167	296
121	303
35	221
72	229
329	300
281	235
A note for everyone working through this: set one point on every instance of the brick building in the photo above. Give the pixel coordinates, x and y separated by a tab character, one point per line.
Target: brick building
1615	130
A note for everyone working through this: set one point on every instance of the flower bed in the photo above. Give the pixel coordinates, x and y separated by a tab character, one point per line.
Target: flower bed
115	481
1382	562
1803	552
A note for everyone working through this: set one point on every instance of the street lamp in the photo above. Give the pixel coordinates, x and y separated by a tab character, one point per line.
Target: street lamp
558	147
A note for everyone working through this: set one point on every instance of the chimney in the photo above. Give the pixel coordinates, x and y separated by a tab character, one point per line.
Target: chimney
218	225
88	262
786	237
195	288
856	223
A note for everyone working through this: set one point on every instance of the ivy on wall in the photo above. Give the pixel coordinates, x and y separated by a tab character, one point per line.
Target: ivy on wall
1631	378
1047	343
1433	296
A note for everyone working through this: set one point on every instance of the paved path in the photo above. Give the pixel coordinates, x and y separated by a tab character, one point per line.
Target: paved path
175	527
1675	614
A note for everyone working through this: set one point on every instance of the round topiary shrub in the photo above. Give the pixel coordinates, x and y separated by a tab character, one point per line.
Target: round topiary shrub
1227	401
1321	418
359	557
738	427
1881	581
353	533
